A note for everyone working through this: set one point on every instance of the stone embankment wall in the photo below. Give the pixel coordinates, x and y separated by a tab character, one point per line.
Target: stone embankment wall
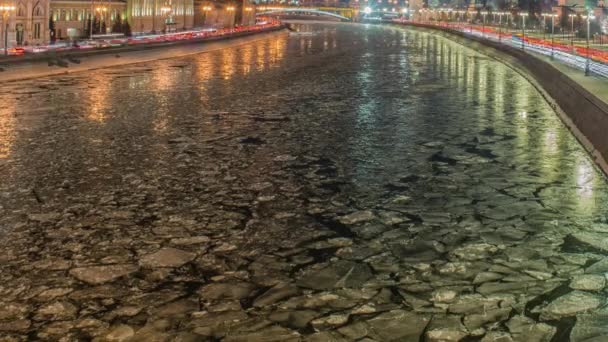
584	113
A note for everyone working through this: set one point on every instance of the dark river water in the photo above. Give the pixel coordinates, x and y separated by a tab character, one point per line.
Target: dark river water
360	183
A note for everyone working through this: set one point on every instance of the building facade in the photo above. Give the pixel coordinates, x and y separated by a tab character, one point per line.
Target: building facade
217	15
36	22
28	23
160	15
71	18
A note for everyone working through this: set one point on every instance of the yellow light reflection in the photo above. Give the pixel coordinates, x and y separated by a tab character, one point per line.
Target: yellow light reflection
246	60
97	94
7	126
164	80
585	177
550	141
228	63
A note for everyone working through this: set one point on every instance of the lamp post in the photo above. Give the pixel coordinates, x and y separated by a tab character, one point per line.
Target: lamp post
91	20
523	30
572	16
483	24
164	10
250	10
589	16
544	24
231	10
206	10
553	15
499	26
6	10
102	15
500	14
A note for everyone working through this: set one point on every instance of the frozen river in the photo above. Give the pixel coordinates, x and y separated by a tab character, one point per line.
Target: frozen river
363	183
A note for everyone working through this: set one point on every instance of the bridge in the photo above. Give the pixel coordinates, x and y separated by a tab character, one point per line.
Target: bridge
343	13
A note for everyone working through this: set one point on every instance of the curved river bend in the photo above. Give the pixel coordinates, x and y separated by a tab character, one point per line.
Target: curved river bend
362	183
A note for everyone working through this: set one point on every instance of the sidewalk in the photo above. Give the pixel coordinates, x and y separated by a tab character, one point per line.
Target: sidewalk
112	45
41	68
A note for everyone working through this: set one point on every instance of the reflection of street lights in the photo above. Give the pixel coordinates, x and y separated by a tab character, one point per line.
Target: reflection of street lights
589	16
6	10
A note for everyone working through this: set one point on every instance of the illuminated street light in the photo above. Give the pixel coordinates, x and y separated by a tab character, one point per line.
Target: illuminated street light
523	29
232	19
483	25
367	10
552	15
166	10
6	10
500	14
102	14
572	16
589	17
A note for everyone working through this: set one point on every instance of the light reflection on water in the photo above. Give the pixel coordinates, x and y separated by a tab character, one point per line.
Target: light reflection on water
7	126
376	98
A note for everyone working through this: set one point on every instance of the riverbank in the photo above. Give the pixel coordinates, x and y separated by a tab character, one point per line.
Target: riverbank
576	98
71	62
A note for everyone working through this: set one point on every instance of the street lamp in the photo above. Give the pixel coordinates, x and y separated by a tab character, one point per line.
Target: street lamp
500	14
102	14
553	15
231	9
572	16
6	10
544	15
206	9
589	16
164	10
483	24
523	29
